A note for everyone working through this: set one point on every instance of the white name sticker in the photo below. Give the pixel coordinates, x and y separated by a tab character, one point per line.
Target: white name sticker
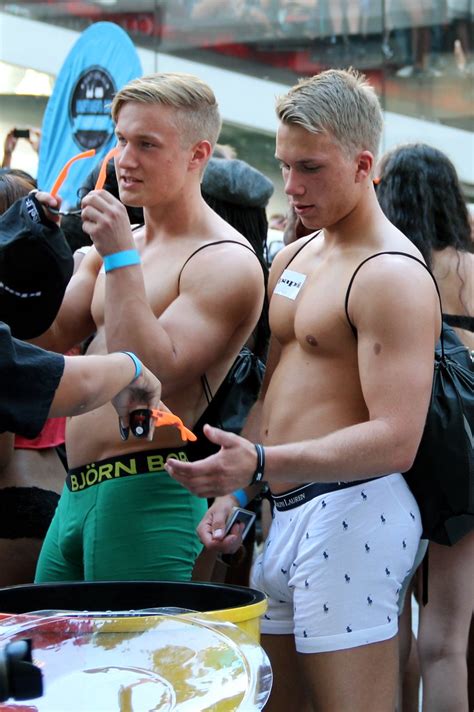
290	284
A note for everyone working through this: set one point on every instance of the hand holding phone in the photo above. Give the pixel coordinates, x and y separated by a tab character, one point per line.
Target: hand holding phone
21	133
240	516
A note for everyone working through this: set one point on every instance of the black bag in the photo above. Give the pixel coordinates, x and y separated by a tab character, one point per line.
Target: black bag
442	476
229	408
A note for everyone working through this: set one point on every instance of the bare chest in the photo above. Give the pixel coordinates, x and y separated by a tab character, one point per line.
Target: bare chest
307	307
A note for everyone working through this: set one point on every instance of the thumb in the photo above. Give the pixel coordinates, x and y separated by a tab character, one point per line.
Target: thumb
218	436
218	525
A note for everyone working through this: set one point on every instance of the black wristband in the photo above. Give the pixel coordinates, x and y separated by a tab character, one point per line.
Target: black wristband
260	471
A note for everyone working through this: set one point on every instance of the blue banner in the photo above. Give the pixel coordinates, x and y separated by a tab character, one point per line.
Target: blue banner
77	116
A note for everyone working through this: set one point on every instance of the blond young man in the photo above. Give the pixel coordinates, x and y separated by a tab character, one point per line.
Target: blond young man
340	417
120	515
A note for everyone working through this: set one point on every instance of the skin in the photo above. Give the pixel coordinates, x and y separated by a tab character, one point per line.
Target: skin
139	308
332	407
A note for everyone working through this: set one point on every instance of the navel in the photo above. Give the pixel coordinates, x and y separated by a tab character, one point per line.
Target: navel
377	348
311	340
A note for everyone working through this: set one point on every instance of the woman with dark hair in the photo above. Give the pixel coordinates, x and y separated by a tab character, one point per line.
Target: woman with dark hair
419	191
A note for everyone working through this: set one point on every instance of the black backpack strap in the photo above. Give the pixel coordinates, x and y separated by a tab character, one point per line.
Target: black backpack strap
302	247
391	252
209	244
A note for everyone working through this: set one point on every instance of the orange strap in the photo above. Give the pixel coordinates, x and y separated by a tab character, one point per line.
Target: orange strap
65	169
103	168
163	418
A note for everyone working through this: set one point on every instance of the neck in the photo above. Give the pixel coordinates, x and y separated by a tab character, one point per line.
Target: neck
363	222
174	219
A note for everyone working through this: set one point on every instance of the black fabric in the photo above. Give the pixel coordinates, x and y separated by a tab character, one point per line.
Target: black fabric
26	512
36	265
229	407
461	321
30	377
442	476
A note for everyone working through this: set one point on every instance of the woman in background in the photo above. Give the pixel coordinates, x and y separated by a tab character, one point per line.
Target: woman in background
419	191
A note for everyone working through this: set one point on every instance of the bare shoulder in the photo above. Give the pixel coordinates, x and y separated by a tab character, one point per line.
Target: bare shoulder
392	286
227	263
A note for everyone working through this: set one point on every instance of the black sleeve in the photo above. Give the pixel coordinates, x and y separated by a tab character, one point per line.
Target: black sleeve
30	377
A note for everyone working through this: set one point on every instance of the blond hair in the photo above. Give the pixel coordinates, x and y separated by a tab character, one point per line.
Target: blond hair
339	102
197	112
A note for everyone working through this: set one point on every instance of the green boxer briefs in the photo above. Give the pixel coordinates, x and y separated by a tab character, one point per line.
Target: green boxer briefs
116	520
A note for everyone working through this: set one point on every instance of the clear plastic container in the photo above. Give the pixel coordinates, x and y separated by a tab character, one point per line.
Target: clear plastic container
135	661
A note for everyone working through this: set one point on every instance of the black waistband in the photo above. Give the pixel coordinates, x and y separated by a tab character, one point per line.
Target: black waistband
301	495
132	463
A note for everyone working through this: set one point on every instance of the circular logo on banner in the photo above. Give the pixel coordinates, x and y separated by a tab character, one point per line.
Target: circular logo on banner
89	108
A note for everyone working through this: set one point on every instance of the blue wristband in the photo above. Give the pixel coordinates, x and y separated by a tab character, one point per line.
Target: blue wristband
138	365
241	496
125	258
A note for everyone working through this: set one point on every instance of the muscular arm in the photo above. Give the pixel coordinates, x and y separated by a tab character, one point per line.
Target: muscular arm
74	321
221	291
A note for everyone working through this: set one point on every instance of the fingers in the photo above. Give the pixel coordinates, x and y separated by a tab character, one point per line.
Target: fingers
124	428
218	436
46	200
211	531
185	470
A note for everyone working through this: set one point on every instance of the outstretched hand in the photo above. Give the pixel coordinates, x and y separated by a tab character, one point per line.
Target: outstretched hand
228	470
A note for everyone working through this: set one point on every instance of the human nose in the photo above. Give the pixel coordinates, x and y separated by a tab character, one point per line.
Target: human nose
293	184
126	157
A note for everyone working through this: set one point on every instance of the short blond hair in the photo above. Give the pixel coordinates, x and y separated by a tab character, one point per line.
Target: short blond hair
197	111
339	102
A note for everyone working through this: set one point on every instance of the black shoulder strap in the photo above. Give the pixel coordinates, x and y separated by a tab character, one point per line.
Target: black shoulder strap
209	244
302	247
377	254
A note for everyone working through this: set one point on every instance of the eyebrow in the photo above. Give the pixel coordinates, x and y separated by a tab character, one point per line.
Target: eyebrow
302	161
139	136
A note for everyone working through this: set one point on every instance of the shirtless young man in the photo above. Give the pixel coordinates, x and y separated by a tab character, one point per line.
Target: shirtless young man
341	409
120	515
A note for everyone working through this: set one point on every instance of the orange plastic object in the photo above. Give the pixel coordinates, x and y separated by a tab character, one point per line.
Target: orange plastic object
163	418
65	169
103	168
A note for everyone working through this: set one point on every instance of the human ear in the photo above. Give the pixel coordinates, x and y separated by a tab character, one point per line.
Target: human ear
365	164
200	153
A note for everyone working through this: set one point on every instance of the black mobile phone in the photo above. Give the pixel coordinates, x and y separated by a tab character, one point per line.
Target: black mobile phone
21	133
240	516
